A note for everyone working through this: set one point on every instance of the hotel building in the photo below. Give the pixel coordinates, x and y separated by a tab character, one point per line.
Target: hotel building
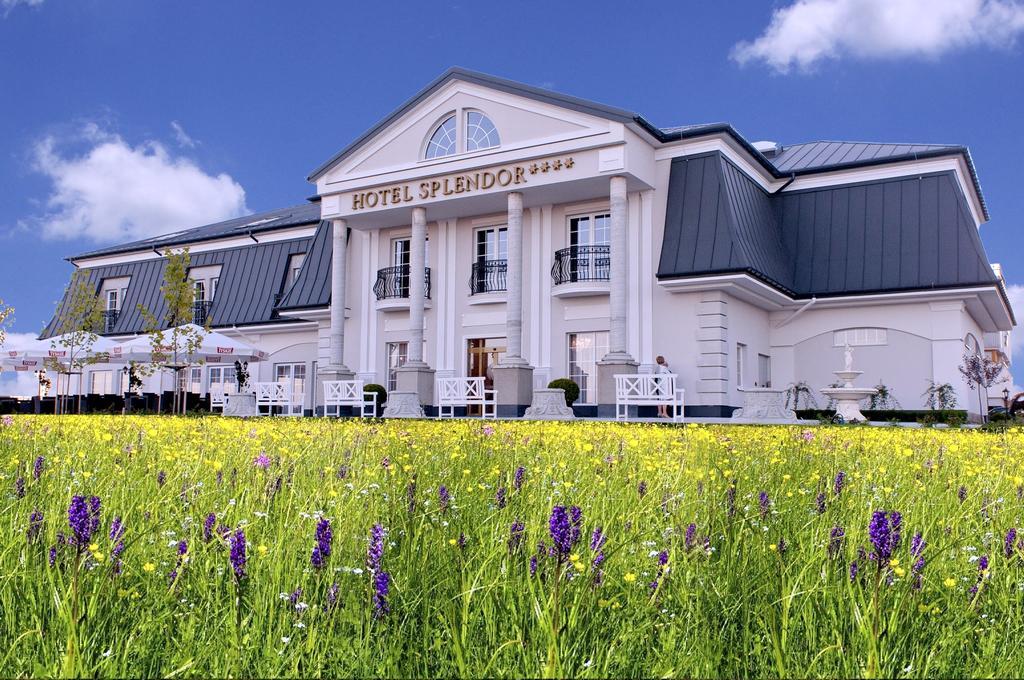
489	228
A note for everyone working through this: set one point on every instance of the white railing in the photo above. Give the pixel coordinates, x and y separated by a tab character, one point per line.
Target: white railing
276	395
217	401
643	389
338	393
452	392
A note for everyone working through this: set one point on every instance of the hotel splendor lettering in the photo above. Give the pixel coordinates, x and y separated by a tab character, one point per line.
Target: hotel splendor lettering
455	184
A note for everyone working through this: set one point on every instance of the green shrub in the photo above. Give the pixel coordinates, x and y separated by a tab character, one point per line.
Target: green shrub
380	395
572	390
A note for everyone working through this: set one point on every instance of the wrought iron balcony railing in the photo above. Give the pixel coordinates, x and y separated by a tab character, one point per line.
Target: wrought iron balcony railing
393	283
201	311
581	263
488	276
108	319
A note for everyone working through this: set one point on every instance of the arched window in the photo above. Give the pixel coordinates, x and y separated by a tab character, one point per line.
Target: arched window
442	142
480	132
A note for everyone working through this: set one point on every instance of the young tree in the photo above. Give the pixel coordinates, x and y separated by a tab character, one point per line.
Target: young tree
981	373
174	339
6	313
78	318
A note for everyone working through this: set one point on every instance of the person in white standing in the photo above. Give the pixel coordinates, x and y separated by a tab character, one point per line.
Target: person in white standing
662	369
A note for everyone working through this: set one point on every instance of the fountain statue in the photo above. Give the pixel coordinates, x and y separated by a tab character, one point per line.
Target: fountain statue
848	397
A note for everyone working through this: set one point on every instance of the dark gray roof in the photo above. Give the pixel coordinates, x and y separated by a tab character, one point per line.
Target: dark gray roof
305	213
886	235
818	155
251	277
312	288
795	159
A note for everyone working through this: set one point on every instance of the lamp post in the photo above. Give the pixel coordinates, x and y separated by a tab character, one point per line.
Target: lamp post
1006	398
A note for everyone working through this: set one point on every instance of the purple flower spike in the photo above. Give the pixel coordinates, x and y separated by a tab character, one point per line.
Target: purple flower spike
564	527
515	537
517	478
324	539
375	551
37	468
1010	543
884	532
19	487
690	538
80	519
208	523
381	588
35	524
819	503
238	553
835	541
499	497
839	483
444	498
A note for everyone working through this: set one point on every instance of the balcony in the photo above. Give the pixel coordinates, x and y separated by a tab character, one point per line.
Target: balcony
392	287
488	276
581	270
201	311
107	320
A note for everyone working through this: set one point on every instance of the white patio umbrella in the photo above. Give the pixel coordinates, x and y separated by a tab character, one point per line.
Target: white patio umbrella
33	355
213	349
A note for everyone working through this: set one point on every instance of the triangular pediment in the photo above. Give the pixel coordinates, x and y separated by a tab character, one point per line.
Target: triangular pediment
524	119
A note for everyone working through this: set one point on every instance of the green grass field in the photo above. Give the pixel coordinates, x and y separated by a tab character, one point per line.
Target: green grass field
506	549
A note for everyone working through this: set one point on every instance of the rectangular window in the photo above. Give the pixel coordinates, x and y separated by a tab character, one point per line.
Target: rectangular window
741	356
492	244
191	380
221	380
213	286
101	382
113	300
200	290
294	267
590	230
860	337
294	378
398	354
585	349
764	370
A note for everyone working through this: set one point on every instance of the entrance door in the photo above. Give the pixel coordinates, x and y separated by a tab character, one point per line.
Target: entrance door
294	378
482	355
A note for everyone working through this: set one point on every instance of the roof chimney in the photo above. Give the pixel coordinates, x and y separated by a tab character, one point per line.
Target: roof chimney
768	149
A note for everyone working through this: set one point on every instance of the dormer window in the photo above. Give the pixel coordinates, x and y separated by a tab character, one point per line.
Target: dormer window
477	133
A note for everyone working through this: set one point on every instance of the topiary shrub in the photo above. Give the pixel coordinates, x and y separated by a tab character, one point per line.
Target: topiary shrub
380	395
572	390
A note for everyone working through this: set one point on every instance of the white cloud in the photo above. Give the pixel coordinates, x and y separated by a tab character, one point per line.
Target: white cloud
809	31
183	138
8	5
114	191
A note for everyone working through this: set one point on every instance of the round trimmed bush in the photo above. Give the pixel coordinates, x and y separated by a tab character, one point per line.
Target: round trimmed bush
380	395
572	390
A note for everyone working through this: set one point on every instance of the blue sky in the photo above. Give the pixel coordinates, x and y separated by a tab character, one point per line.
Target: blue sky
122	119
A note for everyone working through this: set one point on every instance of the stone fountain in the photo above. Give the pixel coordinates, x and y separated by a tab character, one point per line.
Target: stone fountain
848	397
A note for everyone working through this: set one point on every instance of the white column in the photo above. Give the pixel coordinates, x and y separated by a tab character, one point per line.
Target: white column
339	270
417	286
514	279
617	339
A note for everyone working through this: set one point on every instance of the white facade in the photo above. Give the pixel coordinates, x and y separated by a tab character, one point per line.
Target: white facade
565	166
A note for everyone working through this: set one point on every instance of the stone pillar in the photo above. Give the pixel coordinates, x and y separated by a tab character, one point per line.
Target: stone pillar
618	359
513	377
335	368
415	376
